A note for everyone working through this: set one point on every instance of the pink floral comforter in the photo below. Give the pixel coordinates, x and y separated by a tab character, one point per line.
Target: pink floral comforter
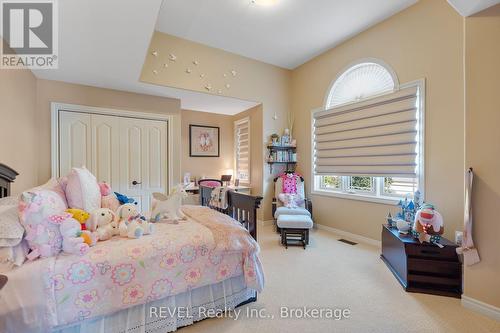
209	247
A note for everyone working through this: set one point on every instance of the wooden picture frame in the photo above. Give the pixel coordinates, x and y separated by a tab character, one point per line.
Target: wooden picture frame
210	135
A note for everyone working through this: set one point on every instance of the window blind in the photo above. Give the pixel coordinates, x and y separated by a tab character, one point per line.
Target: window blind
375	137
242	149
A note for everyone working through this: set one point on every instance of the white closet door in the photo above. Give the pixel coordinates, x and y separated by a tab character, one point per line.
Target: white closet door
143	160
106	149
74	141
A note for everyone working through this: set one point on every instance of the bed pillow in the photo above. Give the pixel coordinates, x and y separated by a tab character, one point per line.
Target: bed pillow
11	230
82	190
36	207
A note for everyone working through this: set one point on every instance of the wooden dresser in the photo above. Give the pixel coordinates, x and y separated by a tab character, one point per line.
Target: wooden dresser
423	268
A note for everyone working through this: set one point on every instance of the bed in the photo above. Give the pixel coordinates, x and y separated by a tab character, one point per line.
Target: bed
158	283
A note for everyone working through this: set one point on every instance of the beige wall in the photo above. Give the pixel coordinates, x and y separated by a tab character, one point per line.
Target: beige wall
482	68
210	167
423	41
54	91
17	126
256	150
255	81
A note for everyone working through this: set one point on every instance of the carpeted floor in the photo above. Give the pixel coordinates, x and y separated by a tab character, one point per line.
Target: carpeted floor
334	275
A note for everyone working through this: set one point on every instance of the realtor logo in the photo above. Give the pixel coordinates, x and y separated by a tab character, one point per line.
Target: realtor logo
29	31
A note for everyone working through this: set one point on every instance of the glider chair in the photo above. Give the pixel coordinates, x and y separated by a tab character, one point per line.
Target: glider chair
292	211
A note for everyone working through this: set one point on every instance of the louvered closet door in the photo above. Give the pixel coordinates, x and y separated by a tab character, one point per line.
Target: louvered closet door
106	149
75	142
143	159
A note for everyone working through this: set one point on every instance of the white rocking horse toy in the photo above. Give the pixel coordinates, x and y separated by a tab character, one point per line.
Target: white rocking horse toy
168	207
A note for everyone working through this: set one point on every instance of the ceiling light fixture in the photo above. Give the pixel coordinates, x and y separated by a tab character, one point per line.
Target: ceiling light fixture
265	2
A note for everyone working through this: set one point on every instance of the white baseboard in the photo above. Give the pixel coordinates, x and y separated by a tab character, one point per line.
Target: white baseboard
264	223
350	236
481	307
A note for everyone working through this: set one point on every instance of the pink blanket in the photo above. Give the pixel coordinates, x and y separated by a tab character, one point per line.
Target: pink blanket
209	247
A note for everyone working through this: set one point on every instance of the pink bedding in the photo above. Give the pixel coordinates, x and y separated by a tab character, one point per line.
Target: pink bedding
119	273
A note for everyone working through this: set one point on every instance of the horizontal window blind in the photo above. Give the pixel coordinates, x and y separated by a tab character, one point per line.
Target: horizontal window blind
375	137
242	149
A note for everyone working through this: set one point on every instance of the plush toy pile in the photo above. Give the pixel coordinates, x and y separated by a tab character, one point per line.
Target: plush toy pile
74	212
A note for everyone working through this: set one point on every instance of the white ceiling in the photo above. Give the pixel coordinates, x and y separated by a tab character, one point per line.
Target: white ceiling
104	43
471	7
286	35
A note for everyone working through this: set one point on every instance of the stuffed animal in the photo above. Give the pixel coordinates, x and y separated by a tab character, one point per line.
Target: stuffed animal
428	225
108	197
168	208
291	200
123	199
131	224
80	215
72	240
103	222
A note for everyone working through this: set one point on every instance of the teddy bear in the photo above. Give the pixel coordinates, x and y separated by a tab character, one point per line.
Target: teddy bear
72	240
103	222
428	225
131	224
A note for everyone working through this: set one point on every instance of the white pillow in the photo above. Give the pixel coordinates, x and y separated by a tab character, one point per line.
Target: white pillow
11	230
82	190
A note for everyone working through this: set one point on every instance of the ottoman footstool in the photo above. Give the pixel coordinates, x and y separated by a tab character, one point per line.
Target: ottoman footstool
294	229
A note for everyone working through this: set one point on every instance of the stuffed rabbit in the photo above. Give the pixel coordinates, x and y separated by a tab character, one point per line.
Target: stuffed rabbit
131	224
103	222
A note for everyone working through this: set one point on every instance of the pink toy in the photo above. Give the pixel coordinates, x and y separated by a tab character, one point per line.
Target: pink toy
108	197
289	181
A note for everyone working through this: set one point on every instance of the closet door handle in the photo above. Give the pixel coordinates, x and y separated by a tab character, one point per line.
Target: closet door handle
135	182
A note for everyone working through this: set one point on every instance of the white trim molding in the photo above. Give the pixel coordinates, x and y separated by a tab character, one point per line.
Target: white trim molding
350	236
481	307
54	147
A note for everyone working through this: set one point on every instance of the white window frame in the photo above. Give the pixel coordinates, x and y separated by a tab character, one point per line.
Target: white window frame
236	124
377	196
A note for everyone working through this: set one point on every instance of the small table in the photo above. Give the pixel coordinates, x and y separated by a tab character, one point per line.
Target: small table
422	267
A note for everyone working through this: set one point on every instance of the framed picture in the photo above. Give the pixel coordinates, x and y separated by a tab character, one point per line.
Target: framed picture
204	141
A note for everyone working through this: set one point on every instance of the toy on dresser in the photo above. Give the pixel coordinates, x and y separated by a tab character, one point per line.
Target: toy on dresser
131	224
428	225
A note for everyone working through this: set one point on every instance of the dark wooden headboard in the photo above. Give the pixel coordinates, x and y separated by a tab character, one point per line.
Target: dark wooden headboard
241	207
7	176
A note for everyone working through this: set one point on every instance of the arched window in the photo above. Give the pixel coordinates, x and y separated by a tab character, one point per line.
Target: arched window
362	80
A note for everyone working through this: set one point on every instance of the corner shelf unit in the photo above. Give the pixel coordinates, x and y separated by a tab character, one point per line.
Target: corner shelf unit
289	164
